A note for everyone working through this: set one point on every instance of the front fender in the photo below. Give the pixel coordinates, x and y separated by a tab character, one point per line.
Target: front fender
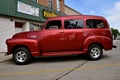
31	44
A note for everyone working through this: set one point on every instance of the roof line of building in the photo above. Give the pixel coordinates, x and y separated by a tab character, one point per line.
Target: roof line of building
73	9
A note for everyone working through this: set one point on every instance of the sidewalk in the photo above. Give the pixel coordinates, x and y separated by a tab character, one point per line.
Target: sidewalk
4	58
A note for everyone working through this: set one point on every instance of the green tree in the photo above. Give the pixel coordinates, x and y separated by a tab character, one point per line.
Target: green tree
115	32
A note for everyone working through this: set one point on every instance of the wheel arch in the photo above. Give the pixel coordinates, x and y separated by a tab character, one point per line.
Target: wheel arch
17	46
97	43
93	40
33	50
87	46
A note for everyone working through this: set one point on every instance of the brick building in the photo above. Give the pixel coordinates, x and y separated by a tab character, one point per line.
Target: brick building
53	4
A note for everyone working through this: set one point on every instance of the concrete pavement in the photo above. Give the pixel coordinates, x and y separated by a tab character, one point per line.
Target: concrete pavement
4	58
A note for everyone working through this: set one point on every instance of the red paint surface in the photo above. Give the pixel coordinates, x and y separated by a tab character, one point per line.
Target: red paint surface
62	41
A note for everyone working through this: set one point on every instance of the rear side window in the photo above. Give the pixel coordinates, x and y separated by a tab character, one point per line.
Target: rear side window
92	23
73	24
56	24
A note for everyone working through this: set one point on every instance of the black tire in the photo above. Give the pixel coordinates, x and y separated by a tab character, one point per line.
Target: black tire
21	56
95	52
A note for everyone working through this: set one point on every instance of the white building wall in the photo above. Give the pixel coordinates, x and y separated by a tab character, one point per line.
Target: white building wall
7	30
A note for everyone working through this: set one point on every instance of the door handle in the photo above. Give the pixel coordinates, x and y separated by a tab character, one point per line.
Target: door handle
61	31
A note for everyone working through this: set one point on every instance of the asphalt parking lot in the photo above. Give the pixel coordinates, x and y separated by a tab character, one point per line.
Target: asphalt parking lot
64	68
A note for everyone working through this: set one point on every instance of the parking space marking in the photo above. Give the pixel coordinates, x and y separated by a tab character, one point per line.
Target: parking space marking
58	70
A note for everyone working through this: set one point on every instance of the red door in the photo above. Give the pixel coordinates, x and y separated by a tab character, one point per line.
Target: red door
73	39
51	40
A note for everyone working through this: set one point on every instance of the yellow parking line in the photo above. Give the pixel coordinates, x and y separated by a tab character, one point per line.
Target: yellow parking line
59	70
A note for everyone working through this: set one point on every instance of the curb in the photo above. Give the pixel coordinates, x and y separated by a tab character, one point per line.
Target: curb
4	58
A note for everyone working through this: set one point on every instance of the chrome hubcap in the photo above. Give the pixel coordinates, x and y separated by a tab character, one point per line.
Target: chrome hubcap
21	56
95	52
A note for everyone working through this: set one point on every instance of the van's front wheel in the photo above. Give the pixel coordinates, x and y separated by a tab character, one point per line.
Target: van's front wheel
21	56
95	52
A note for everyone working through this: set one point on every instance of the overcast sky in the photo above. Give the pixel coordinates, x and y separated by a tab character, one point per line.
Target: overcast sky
110	9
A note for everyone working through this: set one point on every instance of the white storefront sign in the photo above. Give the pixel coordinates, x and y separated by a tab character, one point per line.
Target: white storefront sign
27	9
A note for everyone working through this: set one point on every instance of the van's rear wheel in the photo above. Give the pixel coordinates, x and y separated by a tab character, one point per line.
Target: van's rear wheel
21	56
95	52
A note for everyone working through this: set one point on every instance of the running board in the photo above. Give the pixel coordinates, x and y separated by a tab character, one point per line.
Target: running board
60	53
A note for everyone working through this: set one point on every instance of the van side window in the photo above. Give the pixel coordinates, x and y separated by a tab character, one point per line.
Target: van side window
73	24
56	24
93	23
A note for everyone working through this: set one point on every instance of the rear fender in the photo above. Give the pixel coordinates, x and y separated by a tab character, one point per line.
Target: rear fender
104	42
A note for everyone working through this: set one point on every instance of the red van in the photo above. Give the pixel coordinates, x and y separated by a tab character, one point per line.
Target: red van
65	35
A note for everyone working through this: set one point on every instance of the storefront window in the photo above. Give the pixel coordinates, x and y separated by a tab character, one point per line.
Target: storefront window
18	27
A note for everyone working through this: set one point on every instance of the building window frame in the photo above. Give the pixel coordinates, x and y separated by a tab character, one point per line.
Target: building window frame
50	4
58	3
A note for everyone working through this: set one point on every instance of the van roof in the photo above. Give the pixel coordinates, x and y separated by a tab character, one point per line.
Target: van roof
77	16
